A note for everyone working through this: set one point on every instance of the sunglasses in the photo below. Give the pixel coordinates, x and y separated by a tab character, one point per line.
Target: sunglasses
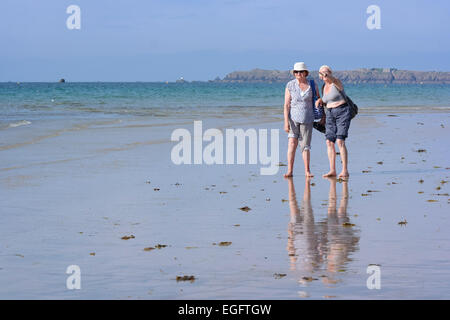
323	74
295	71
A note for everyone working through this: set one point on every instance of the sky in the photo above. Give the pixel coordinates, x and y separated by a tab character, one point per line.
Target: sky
163	40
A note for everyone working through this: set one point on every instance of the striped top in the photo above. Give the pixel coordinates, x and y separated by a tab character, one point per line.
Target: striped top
301	103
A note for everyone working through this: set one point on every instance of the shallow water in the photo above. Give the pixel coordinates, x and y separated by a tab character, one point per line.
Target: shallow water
82	185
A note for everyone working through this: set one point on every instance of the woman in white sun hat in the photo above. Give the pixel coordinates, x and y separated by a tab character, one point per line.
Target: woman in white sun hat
299	116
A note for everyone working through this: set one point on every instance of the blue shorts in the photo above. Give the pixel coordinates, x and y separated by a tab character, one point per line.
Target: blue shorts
337	122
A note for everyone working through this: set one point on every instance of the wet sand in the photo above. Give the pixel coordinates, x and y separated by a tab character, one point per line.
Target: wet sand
69	196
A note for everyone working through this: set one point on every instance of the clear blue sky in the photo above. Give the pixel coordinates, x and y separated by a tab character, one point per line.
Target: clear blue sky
158	40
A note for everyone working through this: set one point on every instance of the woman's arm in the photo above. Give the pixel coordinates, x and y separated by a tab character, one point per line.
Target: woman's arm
338	84
287	108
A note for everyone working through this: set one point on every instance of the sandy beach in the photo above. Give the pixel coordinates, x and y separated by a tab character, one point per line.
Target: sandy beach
70	194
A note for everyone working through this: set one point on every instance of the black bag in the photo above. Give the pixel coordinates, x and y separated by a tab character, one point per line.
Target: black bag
351	104
319	126
318	112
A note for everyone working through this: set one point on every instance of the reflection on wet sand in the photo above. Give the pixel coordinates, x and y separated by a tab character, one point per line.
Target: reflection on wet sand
320	249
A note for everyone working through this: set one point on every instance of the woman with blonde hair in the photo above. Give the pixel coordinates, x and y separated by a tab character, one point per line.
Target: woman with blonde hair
338	116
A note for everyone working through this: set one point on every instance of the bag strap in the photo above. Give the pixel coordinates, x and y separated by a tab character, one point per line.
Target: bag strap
343	94
313	88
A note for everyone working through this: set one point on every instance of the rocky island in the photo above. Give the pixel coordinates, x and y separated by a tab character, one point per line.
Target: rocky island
363	75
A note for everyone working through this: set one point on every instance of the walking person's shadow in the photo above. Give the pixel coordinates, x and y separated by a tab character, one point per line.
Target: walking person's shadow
320	249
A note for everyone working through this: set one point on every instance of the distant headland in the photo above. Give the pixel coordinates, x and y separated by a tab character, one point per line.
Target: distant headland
363	75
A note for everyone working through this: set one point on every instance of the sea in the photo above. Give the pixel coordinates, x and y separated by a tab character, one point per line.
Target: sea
23	104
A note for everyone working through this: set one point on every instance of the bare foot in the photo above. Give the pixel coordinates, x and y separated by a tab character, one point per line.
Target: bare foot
343	175
288	174
309	174
330	174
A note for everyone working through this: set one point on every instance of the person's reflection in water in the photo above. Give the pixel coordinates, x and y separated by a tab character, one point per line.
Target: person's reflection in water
342	238
324	246
303	246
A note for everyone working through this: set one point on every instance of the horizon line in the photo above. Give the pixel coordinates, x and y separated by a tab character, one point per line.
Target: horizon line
217	79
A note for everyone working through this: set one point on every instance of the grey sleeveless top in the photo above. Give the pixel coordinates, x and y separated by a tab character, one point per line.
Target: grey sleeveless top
333	95
301	103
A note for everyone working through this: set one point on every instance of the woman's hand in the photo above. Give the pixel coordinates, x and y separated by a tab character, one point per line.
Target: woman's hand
286	127
318	102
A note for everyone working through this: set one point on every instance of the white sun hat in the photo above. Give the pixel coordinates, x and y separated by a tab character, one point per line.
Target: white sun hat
299	66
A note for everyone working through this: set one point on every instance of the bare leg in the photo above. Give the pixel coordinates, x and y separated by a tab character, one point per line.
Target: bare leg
292	146
343	151
332	158
306	157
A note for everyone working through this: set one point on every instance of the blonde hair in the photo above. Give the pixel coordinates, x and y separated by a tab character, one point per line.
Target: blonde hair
329	74
328	69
